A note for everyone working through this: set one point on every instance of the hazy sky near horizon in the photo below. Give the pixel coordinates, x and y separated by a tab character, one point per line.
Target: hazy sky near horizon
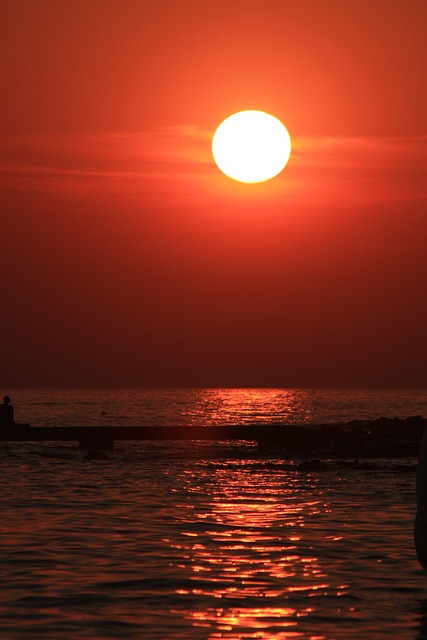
129	259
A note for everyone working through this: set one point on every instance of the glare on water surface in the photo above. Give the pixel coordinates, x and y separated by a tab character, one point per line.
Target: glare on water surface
185	541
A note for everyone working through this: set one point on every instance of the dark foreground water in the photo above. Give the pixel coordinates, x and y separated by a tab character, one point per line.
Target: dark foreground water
206	540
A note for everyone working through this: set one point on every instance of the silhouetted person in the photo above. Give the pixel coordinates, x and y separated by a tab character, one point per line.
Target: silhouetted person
420	529
6	413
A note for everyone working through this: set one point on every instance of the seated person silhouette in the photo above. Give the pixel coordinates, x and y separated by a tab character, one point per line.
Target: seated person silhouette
6	413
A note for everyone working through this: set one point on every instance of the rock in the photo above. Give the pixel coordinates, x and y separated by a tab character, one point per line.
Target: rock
95	454
311	465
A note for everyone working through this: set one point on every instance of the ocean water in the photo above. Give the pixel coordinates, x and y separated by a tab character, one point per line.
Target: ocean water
206	540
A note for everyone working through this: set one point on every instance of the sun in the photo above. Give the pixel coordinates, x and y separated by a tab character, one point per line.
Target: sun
251	146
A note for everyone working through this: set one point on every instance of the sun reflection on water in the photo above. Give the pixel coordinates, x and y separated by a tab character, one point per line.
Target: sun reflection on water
249	555
228	406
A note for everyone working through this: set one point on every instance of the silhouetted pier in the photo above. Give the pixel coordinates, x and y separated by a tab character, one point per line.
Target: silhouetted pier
103	437
384	437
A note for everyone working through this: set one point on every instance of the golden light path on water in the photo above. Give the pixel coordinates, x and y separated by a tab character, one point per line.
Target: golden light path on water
204	540
250	551
211	406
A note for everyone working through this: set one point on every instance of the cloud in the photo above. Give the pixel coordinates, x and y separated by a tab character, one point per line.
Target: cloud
127	165
176	162
366	169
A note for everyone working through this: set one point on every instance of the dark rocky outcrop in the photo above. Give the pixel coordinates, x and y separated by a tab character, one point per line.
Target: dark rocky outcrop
96	454
380	438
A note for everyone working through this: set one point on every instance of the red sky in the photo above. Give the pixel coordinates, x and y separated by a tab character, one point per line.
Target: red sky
128	259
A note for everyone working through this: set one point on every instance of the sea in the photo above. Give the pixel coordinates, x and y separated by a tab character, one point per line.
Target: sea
206	540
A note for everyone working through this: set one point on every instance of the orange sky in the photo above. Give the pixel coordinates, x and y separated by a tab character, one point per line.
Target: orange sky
129	259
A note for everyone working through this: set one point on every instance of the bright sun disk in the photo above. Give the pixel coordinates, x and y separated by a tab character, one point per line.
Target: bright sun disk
251	146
